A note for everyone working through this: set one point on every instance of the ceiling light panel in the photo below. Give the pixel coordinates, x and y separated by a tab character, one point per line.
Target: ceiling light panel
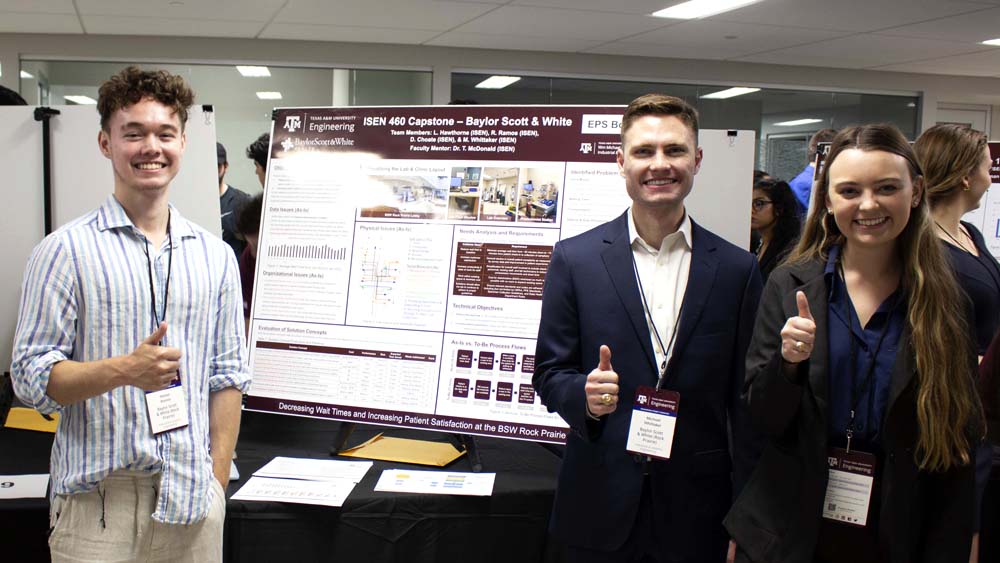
253	71
730	93
695	9
82	100
795	122
498	82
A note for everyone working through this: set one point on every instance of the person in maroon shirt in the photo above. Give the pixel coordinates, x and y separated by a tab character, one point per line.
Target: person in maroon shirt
248	225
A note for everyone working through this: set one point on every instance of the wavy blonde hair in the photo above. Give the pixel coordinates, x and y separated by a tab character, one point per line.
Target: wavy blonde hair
948	410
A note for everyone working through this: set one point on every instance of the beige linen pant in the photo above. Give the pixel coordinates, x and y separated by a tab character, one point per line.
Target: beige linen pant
113	524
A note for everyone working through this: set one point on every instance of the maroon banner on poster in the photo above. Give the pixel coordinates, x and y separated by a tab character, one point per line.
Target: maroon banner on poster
548	133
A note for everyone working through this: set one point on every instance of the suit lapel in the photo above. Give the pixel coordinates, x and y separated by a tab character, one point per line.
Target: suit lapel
701	278
904	368
813	284
617	257
818	295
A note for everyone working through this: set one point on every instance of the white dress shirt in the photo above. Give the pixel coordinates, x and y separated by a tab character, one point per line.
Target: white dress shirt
662	276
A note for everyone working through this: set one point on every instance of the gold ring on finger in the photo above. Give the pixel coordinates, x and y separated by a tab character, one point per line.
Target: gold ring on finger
607	399
800	346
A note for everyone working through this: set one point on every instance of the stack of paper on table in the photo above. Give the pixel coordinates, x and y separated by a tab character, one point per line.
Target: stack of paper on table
306	481
32	485
436	482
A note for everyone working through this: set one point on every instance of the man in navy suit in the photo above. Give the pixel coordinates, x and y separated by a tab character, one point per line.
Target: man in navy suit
648	299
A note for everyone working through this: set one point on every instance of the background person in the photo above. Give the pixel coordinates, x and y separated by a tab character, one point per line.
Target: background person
774	217
248	226
258	152
862	333
956	164
802	185
231	199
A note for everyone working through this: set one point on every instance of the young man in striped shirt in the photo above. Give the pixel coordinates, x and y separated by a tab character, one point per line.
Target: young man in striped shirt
130	327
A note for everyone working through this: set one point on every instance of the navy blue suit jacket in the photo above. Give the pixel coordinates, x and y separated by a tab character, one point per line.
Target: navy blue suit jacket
591	298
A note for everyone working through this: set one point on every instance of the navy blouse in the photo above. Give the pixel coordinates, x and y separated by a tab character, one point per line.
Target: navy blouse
979	277
849	383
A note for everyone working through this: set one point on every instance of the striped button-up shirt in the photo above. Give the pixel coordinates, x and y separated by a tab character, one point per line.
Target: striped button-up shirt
86	297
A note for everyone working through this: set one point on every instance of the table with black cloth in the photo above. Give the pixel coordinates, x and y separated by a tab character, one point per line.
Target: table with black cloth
372	527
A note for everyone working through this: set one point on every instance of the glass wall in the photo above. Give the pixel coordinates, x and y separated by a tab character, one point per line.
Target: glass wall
241	116
781	148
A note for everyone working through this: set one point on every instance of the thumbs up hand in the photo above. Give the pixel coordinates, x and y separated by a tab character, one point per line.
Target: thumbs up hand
602	386
152	367
799	333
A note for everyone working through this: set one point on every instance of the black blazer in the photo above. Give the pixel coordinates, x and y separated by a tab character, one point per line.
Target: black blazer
924	517
591	298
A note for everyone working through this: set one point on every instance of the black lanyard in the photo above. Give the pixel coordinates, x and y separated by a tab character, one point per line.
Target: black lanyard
656	333
866	383
152	289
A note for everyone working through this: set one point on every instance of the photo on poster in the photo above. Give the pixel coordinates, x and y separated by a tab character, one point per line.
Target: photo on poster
499	194
465	179
462	207
411	197
539	198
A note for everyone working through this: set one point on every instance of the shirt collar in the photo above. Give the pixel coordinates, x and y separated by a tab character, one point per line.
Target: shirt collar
832	256
683	233
111	215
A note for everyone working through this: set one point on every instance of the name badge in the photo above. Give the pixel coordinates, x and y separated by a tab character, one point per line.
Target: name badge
167	408
849	487
654	416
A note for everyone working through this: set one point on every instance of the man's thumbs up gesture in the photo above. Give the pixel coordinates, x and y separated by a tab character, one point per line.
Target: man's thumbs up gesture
152	367
602	386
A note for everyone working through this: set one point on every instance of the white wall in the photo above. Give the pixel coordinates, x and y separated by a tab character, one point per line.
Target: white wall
444	60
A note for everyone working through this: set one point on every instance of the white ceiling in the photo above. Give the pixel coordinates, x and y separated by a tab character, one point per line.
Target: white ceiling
929	36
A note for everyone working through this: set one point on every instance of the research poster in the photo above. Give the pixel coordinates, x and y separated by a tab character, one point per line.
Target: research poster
403	254
987	217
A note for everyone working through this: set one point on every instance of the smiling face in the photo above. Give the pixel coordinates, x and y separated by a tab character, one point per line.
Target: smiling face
658	159
871	195
144	142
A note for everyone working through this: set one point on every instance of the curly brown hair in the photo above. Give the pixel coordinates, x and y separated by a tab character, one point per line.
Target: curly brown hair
133	84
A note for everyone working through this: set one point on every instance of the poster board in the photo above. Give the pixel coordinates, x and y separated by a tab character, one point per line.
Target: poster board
987	217
403	253
81	179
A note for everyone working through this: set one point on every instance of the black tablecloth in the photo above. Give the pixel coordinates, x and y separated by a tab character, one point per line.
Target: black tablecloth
508	526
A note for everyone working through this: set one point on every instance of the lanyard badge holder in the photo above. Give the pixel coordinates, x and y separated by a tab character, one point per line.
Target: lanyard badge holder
654	411
852	472
167	408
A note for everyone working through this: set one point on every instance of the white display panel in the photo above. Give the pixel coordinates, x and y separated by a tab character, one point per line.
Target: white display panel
81	180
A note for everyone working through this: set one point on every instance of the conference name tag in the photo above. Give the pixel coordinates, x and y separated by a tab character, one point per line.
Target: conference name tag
654	416
167	408
849	487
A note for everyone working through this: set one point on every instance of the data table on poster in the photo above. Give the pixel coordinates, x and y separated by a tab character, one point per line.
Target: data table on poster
403	253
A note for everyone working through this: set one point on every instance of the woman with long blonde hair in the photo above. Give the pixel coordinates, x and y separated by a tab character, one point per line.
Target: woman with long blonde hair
860	374
956	161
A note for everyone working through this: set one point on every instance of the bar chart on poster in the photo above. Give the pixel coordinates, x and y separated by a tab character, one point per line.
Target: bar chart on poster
403	253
